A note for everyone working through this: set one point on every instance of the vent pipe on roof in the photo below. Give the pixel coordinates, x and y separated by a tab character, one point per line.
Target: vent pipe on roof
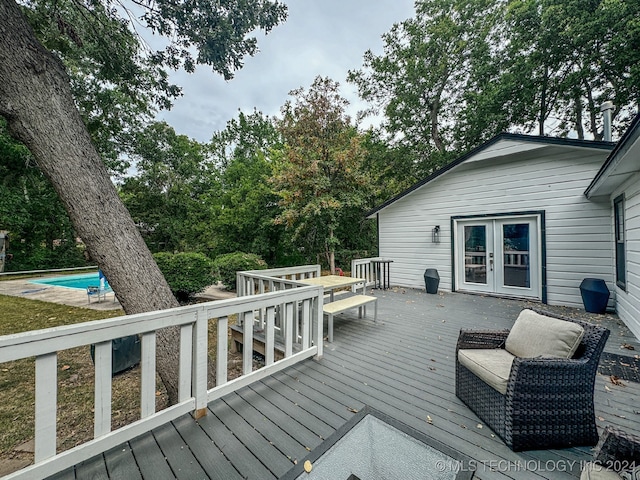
607	108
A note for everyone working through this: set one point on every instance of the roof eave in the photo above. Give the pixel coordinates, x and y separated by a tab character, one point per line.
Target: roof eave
502	136
604	182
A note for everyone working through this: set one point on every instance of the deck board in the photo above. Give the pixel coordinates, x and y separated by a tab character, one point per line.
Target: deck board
149	458
121	464
403	366
92	469
233	449
274	460
178	454
207	454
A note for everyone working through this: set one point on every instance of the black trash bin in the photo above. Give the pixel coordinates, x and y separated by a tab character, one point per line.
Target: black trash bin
431	280
595	295
125	353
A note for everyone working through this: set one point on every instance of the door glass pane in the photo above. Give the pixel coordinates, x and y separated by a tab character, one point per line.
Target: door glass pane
516	255
475	254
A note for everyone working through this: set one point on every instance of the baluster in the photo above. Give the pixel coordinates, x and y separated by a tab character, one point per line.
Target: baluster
103	369
270	336
222	353
46	406
186	357
148	373
247	343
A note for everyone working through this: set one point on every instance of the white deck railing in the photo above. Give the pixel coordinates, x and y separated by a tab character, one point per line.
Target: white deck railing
257	282
363	268
192	321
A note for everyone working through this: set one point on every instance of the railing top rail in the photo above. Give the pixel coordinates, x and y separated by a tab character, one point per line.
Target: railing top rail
285	270
268	278
364	260
39	342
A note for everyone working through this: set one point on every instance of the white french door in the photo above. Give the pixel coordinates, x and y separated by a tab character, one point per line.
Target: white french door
499	255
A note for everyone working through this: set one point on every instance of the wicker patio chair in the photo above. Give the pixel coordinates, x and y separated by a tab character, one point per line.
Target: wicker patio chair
548	401
616	451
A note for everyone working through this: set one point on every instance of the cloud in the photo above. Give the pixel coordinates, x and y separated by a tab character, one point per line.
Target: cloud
325	38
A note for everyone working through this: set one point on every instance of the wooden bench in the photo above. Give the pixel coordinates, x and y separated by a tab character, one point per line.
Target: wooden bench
354	301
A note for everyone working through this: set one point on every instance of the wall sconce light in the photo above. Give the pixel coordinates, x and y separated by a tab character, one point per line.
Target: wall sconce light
435	234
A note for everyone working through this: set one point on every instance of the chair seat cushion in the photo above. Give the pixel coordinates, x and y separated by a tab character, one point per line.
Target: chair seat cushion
492	366
535	335
593	471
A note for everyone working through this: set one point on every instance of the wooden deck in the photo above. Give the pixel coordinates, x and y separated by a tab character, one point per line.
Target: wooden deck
402	366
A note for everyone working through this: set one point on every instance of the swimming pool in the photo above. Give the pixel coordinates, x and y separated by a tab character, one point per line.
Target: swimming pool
78	282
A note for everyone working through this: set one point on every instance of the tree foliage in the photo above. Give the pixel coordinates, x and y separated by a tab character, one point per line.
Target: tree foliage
450	78
417	79
245	206
40	232
164	197
319	176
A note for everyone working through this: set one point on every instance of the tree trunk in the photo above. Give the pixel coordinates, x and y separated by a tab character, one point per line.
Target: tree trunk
543	102
579	129
36	99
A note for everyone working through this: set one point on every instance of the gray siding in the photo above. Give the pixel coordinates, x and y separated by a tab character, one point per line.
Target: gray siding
552	179
628	302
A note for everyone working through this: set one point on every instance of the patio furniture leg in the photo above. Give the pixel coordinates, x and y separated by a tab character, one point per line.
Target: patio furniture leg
330	327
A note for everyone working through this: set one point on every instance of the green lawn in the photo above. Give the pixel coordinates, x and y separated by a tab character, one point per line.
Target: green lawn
75	378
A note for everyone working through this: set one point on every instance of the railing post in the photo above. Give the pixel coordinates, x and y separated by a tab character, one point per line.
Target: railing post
200	364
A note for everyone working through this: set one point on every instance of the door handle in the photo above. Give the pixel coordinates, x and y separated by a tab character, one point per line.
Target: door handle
491	265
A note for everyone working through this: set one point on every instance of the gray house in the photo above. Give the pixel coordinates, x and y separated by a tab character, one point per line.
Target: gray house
509	218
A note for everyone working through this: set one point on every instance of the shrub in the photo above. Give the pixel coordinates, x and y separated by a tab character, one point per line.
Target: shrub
227	265
186	273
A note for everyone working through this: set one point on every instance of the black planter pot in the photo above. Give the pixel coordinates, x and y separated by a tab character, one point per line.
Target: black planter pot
125	353
595	295
431	280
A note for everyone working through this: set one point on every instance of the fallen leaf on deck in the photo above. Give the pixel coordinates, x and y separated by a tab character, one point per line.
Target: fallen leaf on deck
429	419
307	466
601	419
352	410
463	425
607	388
627	346
479	425
616	381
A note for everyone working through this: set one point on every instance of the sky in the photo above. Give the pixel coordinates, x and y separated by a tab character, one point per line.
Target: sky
320	37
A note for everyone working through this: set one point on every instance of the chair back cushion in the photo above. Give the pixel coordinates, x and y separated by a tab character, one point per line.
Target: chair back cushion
535	335
492	366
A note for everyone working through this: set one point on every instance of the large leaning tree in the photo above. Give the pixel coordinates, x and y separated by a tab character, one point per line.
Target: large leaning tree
37	101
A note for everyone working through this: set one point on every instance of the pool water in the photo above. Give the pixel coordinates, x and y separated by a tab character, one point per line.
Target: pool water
78	282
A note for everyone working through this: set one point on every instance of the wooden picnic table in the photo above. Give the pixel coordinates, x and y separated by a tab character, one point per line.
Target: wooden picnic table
330	283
